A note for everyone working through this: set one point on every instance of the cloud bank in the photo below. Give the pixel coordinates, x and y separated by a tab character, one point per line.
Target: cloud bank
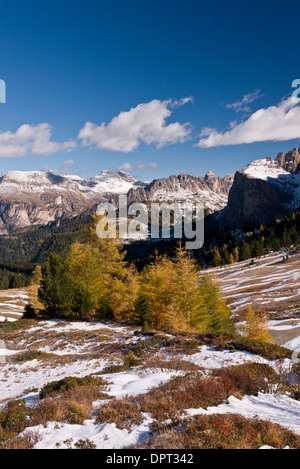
30	139
275	123
145	123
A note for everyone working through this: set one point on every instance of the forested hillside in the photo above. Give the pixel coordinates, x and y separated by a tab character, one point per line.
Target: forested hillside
227	247
19	254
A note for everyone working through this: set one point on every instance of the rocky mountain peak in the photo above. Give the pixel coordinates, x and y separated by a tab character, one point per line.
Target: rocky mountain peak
262	191
210	175
210	190
290	161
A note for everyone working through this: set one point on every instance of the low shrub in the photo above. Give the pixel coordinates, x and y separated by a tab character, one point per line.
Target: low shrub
228	431
122	412
12	326
13	420
64	385
84	444
129	362
249	378
28	356
263	349
74	406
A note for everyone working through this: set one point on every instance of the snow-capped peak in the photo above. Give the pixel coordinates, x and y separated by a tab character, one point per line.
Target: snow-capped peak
115	182
264	169
24	177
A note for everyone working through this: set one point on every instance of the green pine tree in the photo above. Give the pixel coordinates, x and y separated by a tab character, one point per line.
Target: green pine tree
218	315
142	308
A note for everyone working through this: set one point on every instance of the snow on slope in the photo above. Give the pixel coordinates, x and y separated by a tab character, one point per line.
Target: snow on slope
269	170
84	340
104	436
12	303
282	410
210	199
263	169
38	181
268	281
116	182
269	284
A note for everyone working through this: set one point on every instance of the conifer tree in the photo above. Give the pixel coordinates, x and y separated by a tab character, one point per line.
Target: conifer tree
187	303
159	286
245	252
56	289
256	326
218	315
143	312
98	264
123	295
236	254
58	293
86	270
34	286
217	260
83	305
231	259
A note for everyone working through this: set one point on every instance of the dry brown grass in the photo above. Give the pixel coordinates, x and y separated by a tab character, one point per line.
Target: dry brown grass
75	406
222	432
26	441
156	364
122	412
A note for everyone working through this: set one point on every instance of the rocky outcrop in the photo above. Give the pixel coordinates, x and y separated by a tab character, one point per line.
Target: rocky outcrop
261	192
290	161
210	190
32	199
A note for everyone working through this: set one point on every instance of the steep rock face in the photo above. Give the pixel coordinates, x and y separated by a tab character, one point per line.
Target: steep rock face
290	161
35	198
261	192
211	190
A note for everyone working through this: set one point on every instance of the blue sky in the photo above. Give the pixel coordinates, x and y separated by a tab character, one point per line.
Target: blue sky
183	73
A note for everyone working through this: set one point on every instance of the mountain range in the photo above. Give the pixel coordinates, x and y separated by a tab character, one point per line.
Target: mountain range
263	190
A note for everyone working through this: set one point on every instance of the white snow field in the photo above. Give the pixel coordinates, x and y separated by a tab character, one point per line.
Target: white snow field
277	409
12	303
82	348
270	285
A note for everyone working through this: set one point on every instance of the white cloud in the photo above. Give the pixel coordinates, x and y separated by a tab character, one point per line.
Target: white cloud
181	102
125	167
242	104
128	167
66	163
145	123
147	167
30	139
275	123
